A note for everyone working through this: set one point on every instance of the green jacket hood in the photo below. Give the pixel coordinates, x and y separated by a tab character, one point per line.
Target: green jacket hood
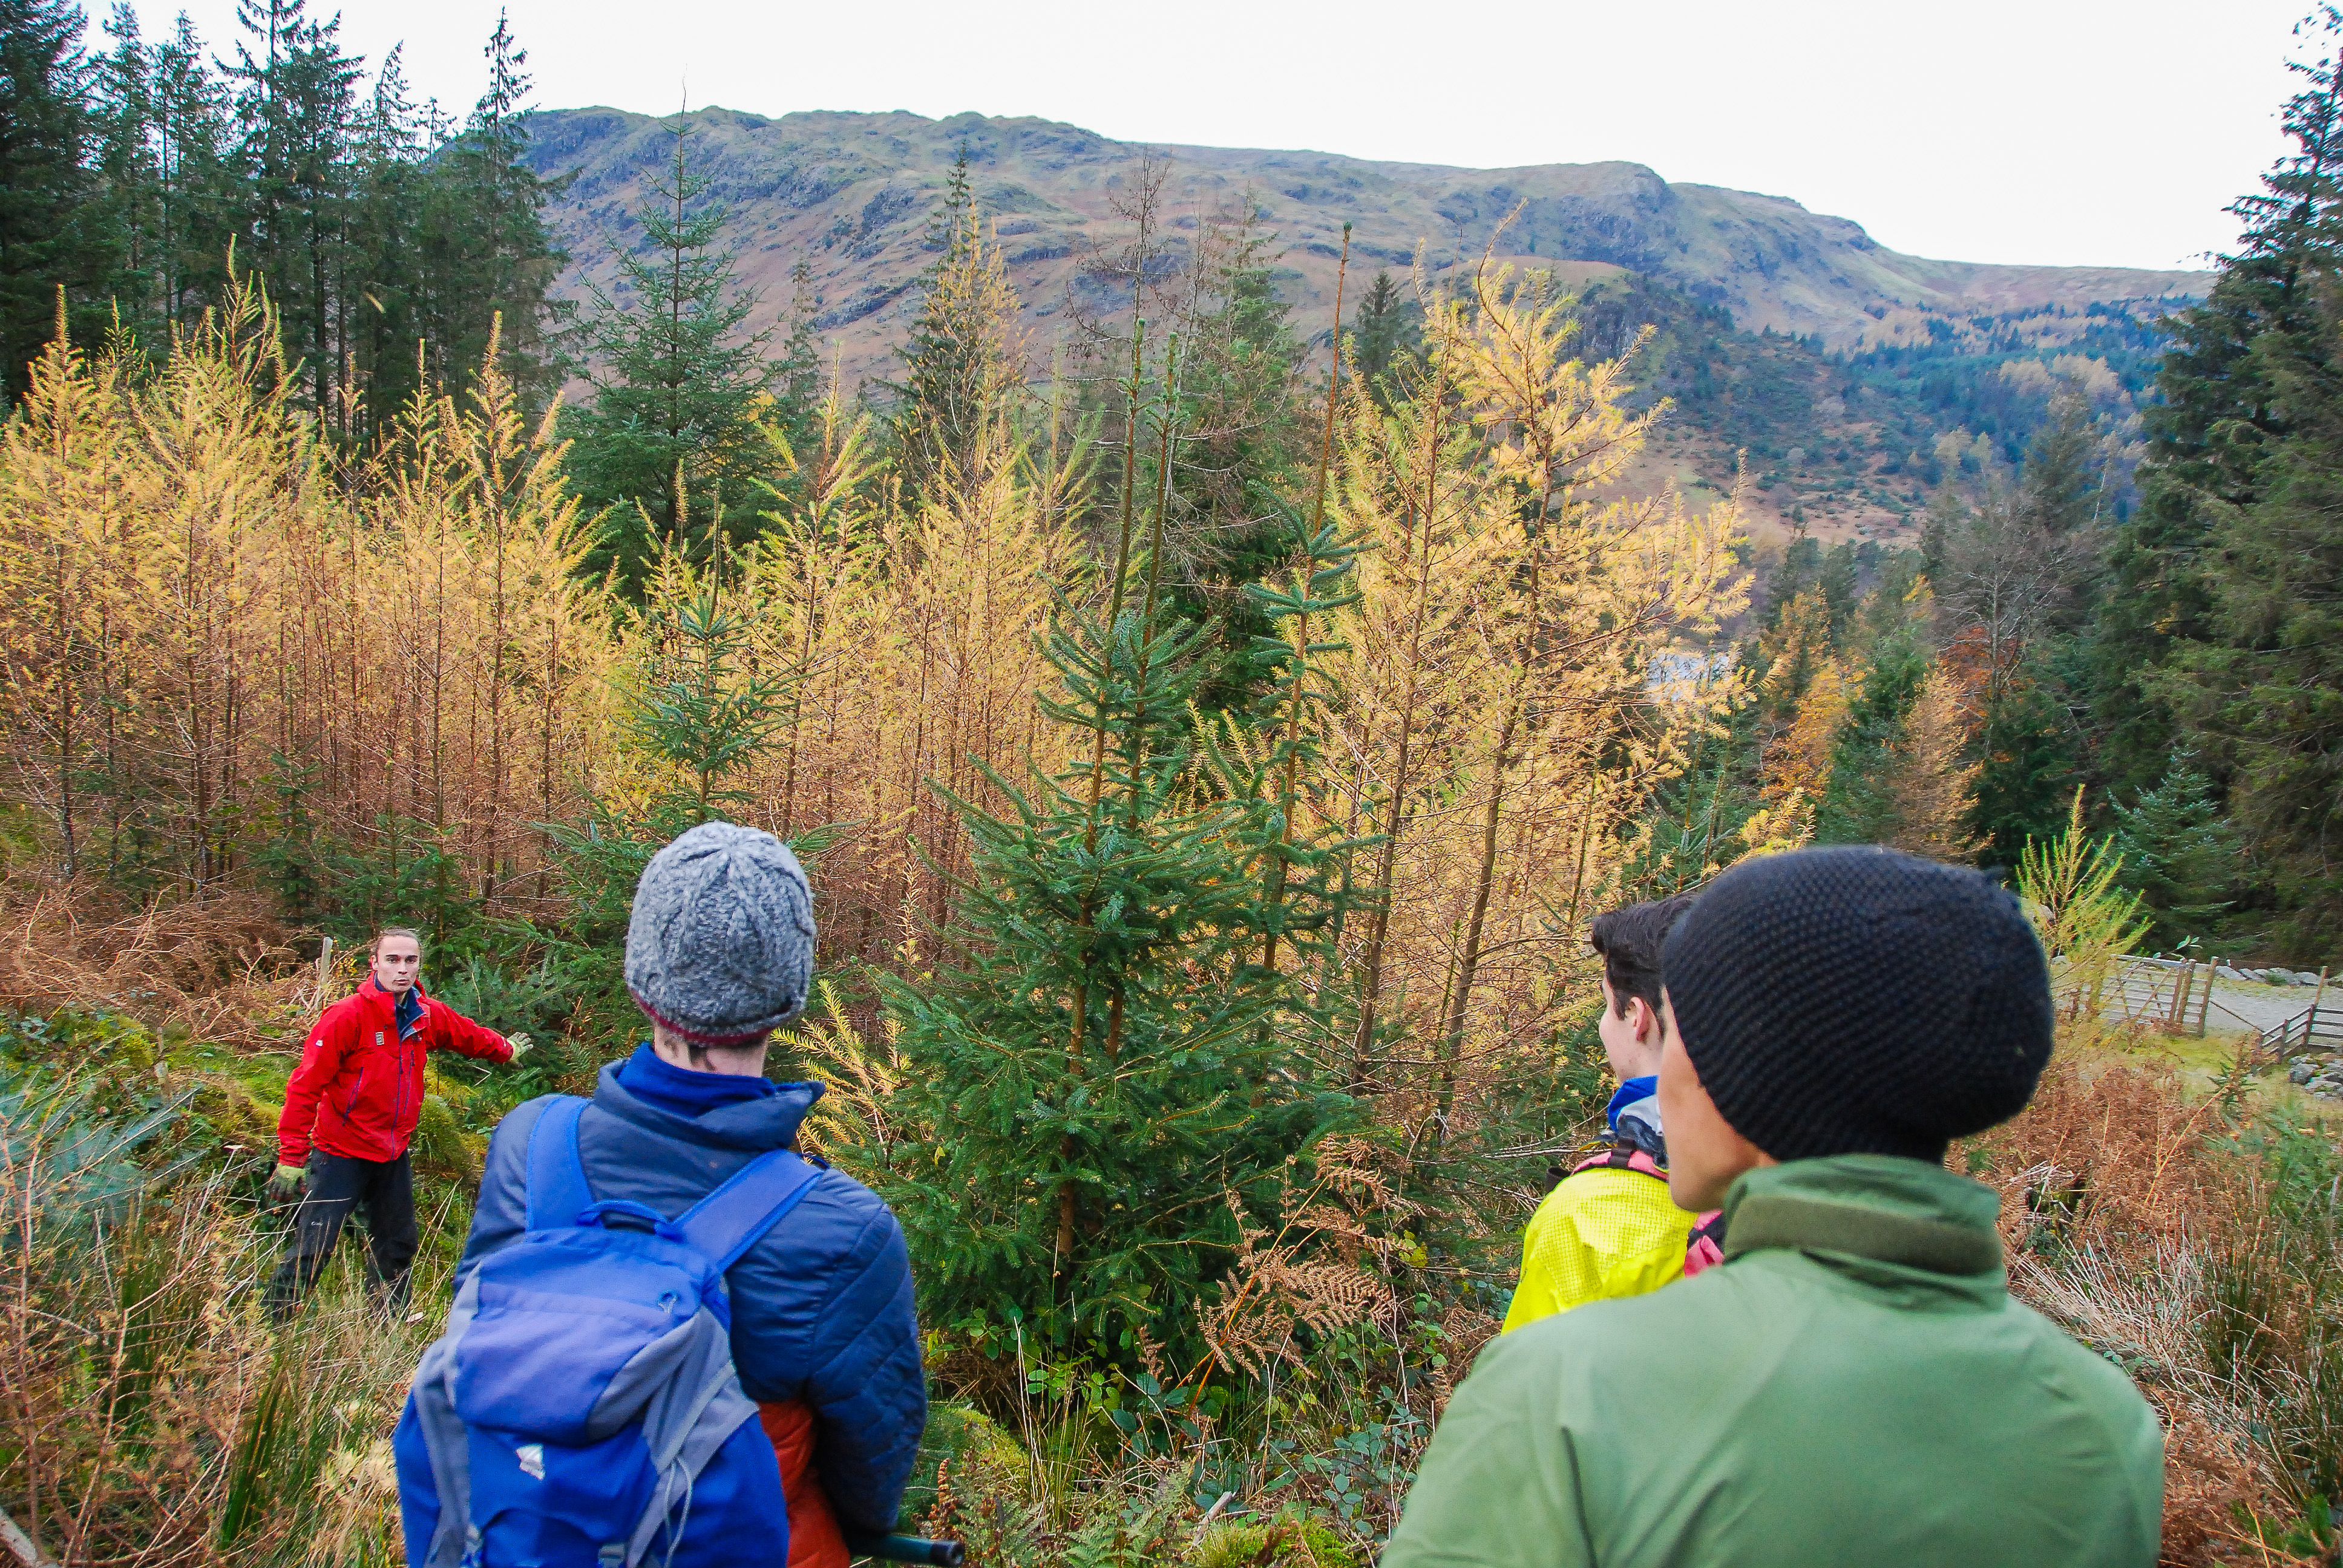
1877	1206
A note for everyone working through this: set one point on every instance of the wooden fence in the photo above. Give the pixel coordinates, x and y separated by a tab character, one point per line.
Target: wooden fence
2315	1028
2175	996
2171	995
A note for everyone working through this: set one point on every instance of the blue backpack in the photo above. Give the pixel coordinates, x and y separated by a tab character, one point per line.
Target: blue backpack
581	1409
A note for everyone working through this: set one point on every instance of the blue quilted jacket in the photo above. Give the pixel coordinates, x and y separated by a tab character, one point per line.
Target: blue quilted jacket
821	1308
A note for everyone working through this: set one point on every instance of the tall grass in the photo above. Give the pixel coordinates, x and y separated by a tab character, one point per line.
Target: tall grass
2192	1238
150	1416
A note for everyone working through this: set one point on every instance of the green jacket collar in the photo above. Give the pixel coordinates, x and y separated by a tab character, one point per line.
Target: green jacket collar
1903	1212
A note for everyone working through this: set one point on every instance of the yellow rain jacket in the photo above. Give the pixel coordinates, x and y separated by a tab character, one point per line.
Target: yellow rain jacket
1600	1234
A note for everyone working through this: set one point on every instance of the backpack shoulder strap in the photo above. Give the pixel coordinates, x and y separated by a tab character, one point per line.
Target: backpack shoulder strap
1622	1157
735	1217
1704	1247
558	1189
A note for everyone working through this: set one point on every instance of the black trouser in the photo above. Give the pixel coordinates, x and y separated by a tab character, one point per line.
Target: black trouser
338	1184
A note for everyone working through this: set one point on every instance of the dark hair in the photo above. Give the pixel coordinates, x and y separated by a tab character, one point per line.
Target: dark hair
1629	939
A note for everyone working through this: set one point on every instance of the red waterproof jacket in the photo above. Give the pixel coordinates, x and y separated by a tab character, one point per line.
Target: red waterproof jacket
358	1091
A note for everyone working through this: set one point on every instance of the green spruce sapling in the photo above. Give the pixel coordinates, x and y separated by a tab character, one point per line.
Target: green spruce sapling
703	705
681	389
1106	1063
2178	852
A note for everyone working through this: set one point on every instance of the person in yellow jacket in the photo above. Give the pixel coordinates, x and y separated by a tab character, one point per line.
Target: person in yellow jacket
1608	1228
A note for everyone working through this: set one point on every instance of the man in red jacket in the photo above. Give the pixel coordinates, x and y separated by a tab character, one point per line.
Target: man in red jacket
349	1111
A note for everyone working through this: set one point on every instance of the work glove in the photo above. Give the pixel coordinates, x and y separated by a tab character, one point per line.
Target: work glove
520	1043
288	1183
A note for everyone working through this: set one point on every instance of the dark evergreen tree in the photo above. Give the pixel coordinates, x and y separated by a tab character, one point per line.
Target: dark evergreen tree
961	372
2029	753
1841	589
392	230
192	213
680	390
45	128
798	371
1860	805
1946	520
1696	821
2179	854
2063	491
1802	564
2261	685
121	213
509	261
454	241
1116	1053
703	704
1244	455
297	99
1386	329
370	231
2216	415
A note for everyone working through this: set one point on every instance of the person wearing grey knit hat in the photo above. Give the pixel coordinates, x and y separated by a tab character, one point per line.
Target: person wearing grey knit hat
719	948
824	1321
1854	1382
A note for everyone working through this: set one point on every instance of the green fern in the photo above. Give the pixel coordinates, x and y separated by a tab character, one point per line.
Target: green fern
75	1159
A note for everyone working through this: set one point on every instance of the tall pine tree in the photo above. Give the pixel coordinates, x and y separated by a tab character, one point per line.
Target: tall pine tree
2261	685
2179	854
297	98
44	129
962	361
1122	1065
1387	327
500	260
680	388
1243	456
2215	417
370	231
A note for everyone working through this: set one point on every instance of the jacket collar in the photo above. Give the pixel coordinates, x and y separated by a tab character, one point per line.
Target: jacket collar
371	989
1915	1218
752	1124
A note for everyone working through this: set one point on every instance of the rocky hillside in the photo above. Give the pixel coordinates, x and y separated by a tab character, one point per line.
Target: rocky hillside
854	191
1790	336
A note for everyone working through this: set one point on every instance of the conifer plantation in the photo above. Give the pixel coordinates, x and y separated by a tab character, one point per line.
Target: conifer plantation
1210	731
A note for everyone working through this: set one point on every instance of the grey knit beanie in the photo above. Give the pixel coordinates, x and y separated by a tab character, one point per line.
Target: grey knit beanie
1859	1001
721	947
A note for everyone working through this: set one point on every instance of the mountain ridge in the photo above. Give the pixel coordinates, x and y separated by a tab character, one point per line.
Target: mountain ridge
1852	381
852	192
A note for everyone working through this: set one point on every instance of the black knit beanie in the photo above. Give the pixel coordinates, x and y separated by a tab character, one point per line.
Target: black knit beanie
1859	1001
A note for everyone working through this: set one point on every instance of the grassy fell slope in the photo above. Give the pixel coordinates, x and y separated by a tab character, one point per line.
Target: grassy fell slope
1786	334
853	192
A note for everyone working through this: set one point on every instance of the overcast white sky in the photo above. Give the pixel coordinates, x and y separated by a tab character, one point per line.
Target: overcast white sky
2073	132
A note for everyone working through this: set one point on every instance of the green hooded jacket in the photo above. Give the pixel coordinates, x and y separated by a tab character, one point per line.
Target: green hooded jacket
1853	1385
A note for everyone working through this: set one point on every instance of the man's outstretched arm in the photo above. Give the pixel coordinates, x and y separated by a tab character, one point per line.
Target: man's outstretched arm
460	1034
